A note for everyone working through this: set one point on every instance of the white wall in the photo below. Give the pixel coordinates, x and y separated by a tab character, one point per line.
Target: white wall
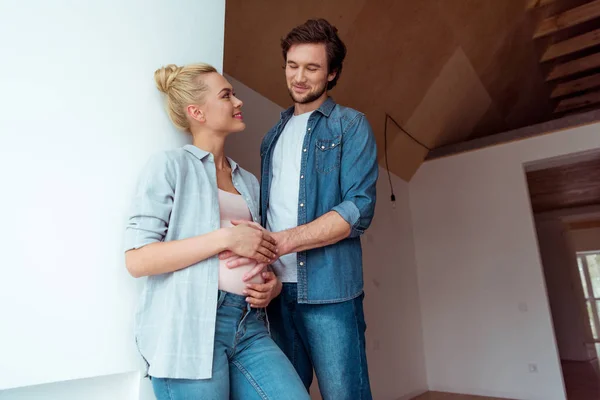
114	387
80	115
392	308
484	307
564	288
394	337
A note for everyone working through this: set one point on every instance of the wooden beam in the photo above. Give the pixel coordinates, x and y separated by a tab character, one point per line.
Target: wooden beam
555	125
578	102
574	67
577	85
531	4
569	18
572	45
592	224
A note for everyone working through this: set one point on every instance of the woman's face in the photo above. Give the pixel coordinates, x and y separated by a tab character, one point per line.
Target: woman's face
221	111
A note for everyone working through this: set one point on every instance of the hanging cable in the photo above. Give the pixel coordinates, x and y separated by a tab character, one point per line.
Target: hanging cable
389	117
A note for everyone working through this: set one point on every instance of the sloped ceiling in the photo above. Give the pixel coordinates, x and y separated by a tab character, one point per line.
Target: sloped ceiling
446	70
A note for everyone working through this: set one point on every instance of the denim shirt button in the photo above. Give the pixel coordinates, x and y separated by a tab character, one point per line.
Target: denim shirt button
301	263
301	204
304	150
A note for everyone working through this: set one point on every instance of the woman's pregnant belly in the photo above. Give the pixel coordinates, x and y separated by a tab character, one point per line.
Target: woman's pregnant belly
231	280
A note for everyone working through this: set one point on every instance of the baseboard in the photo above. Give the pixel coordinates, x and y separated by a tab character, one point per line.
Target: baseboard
413	394
489	393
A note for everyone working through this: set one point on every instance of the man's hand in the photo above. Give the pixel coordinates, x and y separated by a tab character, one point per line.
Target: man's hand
260	295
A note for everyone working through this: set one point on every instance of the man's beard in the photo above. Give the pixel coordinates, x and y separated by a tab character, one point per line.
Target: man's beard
309	97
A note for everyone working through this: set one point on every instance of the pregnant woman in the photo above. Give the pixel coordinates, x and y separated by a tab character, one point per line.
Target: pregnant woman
200	327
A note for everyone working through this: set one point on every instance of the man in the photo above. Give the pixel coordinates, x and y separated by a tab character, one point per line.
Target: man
319	171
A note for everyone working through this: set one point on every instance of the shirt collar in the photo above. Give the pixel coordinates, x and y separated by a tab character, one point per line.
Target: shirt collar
325	109
202	154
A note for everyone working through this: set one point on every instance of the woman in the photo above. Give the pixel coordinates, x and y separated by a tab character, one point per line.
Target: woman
199	326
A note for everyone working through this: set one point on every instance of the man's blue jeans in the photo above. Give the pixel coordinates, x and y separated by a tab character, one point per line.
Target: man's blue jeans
327	337
247	364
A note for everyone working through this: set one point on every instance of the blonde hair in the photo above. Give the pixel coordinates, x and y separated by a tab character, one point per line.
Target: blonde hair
183	86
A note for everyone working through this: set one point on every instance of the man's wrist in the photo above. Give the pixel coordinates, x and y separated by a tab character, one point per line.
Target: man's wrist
284	245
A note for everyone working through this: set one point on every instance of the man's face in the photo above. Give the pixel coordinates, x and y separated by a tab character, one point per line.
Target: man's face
306	72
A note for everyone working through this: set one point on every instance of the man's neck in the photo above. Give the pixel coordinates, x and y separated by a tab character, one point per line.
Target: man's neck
308	107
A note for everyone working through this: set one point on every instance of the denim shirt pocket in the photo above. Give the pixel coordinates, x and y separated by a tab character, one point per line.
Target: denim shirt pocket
328	154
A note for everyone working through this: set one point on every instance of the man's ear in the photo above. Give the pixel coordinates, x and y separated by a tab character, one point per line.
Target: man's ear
332	76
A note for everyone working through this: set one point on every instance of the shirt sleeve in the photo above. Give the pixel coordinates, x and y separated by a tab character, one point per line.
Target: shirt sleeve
358	176
148	219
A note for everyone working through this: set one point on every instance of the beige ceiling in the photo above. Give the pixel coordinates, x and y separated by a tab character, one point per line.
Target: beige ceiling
446	70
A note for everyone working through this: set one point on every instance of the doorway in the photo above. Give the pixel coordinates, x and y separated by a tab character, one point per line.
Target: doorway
565	199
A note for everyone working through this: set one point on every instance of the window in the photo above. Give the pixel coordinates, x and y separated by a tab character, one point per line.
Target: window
589	272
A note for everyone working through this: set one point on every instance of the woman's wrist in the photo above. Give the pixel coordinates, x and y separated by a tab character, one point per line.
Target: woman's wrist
223	239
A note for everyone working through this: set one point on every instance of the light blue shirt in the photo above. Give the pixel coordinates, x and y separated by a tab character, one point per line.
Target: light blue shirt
176	198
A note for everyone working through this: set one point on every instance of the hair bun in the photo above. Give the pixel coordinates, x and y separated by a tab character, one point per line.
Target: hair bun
165	76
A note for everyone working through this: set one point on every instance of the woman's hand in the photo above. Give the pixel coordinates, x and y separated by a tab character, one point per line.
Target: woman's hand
235	260
259	295
252	243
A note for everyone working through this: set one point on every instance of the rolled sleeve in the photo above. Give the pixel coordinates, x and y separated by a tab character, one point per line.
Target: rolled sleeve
152	204
350	213
358	176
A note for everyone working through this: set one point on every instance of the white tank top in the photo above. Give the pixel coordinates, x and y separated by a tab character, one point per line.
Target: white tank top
233	207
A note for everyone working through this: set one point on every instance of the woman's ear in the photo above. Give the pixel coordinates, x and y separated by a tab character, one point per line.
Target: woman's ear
195	113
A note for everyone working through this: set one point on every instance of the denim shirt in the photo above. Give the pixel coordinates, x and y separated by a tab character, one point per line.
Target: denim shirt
176	198
338	173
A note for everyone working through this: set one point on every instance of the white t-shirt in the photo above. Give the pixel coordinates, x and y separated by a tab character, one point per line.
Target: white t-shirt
282	212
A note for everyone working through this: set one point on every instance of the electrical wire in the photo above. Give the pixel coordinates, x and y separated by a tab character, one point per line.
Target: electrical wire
389	117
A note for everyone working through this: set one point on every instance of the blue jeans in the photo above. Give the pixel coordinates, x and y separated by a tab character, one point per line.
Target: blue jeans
247	364
327	337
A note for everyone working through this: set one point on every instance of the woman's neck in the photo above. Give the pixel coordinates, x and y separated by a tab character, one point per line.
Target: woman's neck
213	144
